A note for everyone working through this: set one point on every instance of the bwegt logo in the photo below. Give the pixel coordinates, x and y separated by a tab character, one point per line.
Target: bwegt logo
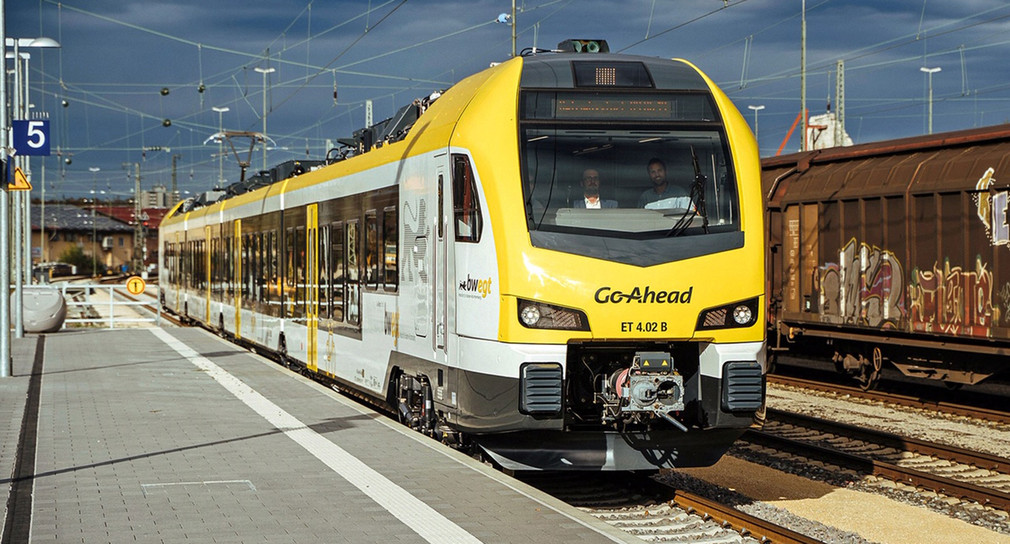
473	285
643	295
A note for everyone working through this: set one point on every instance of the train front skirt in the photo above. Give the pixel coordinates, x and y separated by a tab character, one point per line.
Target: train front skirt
610	450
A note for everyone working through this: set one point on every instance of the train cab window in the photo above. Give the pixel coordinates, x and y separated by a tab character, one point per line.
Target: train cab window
657	164
465	204
371	249
390	244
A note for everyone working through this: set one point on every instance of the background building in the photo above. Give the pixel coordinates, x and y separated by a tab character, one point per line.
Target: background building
73	233
157	197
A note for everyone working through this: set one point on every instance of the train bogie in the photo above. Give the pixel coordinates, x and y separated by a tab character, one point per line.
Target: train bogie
453	268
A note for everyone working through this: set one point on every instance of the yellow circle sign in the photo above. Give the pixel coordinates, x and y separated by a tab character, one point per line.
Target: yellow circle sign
135	285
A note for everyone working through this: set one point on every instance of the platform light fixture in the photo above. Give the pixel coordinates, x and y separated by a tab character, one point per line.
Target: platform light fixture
220	143
265	71
930	72
756	110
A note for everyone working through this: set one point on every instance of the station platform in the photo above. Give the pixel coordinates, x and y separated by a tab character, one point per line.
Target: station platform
174	435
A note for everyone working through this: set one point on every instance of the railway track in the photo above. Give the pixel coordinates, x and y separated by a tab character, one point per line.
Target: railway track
946	470
151	307
949	408
656	512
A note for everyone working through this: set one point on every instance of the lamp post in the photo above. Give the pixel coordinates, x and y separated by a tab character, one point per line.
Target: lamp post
220	143
930	72
756	110
94	228
22	227
5	279
511	18
265	71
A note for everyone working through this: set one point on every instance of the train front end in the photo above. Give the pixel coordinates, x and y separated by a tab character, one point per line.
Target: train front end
630	336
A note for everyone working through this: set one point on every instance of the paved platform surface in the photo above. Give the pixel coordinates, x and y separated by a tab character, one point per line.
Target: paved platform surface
173	435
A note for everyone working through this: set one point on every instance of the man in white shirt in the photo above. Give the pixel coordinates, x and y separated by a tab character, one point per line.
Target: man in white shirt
591	192
662	194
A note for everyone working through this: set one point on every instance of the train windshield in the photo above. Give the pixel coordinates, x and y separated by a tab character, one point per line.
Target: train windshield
627	172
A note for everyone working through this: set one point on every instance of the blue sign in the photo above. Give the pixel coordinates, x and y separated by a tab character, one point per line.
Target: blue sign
31	137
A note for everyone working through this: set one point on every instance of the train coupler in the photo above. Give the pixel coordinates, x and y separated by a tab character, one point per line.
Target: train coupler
651	385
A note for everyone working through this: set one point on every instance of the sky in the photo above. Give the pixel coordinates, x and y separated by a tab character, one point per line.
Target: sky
127	66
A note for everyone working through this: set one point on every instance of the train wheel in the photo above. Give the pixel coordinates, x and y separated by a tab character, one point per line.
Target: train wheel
871	370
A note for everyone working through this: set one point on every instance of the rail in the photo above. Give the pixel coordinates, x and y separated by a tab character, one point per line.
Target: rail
866	462
976	412
105	305
748	525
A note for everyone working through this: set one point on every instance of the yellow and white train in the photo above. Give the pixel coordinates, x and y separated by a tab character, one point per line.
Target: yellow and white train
453	267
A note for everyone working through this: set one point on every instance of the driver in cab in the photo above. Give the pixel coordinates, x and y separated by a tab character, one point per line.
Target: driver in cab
662	194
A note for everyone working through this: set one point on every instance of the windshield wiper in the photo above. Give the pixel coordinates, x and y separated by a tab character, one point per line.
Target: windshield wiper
697	199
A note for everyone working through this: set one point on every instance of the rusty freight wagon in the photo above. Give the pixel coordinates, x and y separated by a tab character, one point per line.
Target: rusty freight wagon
894	252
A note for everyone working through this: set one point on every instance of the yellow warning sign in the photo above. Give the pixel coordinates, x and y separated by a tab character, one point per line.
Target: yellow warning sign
20	182
135	285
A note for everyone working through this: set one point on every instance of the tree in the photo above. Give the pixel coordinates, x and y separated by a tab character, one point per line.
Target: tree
75	255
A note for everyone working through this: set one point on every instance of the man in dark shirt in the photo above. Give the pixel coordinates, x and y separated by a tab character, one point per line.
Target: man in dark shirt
591	192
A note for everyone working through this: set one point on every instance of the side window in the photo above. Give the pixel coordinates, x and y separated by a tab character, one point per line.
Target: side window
352	273
299	271
371	251
323	256
289	272
338	278
273	273
465	204
246	269
261	267
390	245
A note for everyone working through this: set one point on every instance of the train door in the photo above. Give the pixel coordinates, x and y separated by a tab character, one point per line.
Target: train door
440	276
311	279
236	291
180	271
208	279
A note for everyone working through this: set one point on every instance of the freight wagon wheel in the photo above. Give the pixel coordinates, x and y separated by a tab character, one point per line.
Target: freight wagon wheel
871	371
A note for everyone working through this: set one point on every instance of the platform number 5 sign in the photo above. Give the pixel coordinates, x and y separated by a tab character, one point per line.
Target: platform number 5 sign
31	137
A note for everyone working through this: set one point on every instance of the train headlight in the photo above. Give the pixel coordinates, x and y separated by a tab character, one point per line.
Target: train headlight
743	315
529	315
730	316
538	315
